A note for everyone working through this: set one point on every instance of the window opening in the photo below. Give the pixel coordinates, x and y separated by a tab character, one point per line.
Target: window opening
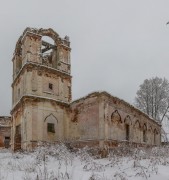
144	133
127	132
51	127
50	86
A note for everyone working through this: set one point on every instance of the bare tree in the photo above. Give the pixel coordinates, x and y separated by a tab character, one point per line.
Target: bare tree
153	98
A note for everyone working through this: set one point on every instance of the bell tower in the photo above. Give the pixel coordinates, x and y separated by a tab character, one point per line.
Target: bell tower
41	88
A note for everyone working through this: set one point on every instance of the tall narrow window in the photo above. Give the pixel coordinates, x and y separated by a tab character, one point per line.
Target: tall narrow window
51	127
127	132
144	133
144	136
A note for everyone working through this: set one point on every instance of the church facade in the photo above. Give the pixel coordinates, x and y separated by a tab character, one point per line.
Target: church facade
42	107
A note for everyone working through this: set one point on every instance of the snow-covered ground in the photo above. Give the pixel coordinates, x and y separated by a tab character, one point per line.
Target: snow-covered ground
56	162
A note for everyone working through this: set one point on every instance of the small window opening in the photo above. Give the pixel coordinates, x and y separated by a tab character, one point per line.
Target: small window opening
50	86
7	138
127	132
51	127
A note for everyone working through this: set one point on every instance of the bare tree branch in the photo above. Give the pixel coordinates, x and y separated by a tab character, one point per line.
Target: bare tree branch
153	97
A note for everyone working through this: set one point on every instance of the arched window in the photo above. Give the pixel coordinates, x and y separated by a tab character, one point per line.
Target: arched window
51	122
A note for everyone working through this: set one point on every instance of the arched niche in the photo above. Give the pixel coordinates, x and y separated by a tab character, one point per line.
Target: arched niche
115	117
116	126
137	124
127	120
150	134
155	131
51	118
137	132
51	128
144	127
150	129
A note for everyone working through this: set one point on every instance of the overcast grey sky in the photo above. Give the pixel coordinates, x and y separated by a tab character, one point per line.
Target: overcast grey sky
116	44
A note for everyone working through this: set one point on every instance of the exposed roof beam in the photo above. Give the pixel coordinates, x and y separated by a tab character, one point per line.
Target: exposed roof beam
46	44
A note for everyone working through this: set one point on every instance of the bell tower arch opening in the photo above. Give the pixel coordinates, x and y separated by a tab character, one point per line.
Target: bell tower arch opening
49	52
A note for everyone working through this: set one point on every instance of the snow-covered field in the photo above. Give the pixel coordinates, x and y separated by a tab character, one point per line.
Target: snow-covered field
56	162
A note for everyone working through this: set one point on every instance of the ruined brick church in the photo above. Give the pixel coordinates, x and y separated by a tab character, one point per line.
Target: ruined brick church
42	107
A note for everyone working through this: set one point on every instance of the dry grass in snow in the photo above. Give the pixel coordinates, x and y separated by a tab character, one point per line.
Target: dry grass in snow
57	162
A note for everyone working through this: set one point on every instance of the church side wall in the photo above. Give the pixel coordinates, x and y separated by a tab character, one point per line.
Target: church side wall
107	119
